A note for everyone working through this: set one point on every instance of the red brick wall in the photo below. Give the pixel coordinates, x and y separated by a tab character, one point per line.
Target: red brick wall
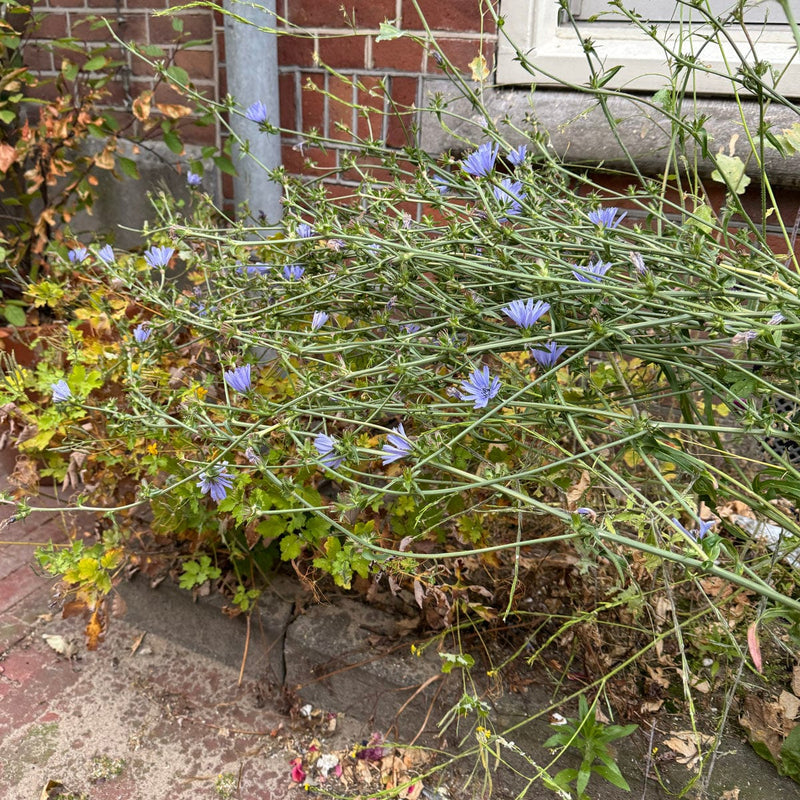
131	20
390	72
383	75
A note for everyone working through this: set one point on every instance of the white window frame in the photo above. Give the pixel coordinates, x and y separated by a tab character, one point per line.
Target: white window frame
533	26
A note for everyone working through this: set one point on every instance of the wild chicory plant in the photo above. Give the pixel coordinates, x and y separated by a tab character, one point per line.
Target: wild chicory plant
481	162
216	481
441	184
238	378
305	231
509	195
696	534
78	255
526	313
158	257
106	254
593	273
517	156
480	388
318	320
142	332
61	391
256	112
549	354
397	446
326	447
293	272
606	217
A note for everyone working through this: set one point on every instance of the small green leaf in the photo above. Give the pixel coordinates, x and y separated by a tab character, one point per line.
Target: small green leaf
152	51
14	315
730	170
69	70
178	75
291	547
173	141
450	660
128	167
95	64
790	755
224	164
387	32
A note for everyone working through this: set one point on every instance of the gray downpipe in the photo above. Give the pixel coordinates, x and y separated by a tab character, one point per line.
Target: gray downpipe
251	56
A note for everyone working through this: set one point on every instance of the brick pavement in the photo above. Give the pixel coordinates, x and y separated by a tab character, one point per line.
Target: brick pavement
160	722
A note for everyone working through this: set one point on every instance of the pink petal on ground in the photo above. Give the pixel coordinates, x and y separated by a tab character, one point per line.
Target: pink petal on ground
754	647
298	775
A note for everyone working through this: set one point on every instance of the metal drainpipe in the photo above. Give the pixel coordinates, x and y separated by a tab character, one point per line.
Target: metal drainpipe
251	57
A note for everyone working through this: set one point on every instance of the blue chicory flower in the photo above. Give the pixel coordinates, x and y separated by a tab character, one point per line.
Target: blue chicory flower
61	391
638	263
216	481
305	231
293	272
481	162
398	446
318	320
78	254
193	178
158	257
593	273
526	313
696	534
412	327
517	157
480	388
106	254
776	319
441	184
142	332
257	269
744	337
509	195
256	112
326	447
606	217
238	378
549	354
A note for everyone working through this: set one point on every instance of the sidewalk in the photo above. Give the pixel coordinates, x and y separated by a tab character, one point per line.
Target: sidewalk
142	717
160	711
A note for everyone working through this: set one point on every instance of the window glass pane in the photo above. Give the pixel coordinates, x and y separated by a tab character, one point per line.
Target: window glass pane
766	11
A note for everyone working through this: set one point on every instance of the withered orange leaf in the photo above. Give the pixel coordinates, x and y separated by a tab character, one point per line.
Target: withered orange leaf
94	630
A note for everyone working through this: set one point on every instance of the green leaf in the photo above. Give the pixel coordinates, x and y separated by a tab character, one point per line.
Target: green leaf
128	167
703	218
178	75
224	164
584	773
612	775
173	141
69	70
450	660
291	547
95	64
387	32
790	755
152	51
7	116
730	171
14	315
